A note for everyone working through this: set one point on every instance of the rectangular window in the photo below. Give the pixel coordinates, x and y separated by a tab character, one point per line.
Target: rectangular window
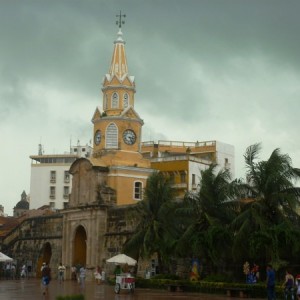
52	192
66	176
182	177
193	179
138	190
227	164
66	192
52	176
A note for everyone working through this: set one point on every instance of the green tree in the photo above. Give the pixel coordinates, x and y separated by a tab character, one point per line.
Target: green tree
155	224
207	215
267	222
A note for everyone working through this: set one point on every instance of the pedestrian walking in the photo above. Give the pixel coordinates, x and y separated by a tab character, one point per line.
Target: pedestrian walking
23	272
288	285
73	273
297	283
98	275
61	273
46	277
78	273
82	273
271	282
13	272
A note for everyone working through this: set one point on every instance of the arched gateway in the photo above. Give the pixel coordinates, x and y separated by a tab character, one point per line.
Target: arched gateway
79	249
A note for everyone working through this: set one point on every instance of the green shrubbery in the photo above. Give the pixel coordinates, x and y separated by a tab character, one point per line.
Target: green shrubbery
257	290
217	278
166	276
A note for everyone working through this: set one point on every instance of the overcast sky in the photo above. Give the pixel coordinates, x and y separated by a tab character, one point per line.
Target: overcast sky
226	70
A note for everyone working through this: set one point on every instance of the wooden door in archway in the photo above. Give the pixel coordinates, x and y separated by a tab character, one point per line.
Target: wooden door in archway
79	253
45	256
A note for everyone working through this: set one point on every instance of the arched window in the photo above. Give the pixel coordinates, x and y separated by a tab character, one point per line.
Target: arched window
138	190
111	136
125	100
114	100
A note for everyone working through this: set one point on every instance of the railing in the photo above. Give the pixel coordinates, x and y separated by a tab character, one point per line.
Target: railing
181	157
179	185
179	144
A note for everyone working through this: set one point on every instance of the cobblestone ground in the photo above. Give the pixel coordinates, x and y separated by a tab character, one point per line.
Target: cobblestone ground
31	289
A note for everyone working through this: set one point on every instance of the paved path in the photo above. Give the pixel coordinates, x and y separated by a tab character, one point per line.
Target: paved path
31	289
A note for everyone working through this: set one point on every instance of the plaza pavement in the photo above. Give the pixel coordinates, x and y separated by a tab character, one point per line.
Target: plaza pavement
31	289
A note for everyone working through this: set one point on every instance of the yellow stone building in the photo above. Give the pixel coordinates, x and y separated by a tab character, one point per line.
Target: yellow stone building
182	162
118	131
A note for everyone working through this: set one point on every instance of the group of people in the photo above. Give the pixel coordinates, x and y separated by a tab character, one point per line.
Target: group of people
78	273
10	271
253	274
290	284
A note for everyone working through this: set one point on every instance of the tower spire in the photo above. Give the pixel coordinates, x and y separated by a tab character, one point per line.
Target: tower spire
118	65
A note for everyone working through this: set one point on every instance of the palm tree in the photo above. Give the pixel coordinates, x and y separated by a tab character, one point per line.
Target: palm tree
268	210
207	215
155	224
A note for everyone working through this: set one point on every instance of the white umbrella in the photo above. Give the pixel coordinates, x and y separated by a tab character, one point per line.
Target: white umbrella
4	258
122	259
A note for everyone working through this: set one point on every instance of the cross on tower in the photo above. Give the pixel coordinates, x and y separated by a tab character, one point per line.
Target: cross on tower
120	22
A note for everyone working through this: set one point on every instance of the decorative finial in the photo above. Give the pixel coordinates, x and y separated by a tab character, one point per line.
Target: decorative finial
120	21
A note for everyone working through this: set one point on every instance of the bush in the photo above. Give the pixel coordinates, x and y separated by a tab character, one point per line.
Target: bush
166	276
257	290
217	278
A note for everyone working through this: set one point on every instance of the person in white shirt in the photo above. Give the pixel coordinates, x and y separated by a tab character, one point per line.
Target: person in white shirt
82	272
61	273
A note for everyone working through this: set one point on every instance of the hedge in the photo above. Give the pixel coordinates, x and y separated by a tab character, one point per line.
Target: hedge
257	290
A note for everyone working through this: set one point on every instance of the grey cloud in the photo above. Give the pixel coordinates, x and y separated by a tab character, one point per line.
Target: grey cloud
225	70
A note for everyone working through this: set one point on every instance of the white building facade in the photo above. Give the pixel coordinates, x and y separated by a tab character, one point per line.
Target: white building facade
225	157
50	181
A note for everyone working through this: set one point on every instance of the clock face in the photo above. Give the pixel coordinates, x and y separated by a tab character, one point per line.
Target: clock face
129	137
97	138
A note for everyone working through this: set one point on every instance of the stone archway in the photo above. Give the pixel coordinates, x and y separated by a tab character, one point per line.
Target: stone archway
79	253
45	256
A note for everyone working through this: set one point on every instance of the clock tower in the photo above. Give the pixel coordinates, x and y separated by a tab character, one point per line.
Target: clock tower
118	126
118	130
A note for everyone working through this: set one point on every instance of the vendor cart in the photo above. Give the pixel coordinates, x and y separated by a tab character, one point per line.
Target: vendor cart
124	282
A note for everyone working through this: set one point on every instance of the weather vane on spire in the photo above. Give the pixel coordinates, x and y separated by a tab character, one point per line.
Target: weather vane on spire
120	21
